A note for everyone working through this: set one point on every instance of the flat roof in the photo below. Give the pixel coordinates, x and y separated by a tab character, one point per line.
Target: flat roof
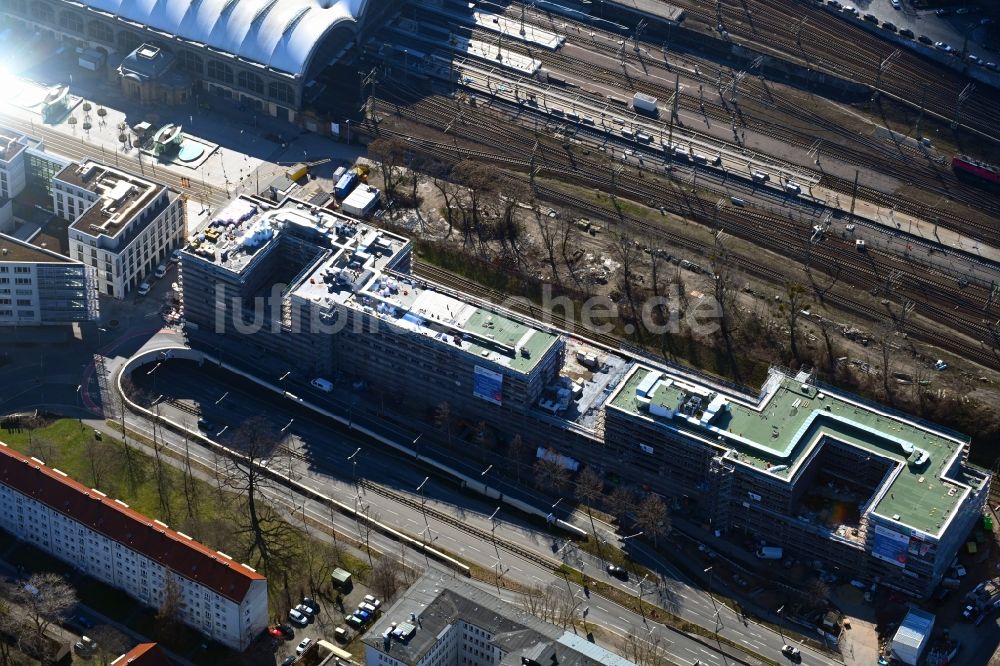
439	602
792	417
11	144
121	196
653	8
12	249
354	277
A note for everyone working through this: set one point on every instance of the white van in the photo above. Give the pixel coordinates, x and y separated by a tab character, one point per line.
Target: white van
322	384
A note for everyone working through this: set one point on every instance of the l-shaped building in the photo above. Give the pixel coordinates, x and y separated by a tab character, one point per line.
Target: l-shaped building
822	473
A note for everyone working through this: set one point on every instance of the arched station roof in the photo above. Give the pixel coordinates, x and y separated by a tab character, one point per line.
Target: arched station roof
281	34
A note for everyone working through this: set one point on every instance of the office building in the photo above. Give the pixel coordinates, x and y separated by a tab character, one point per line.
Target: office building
805	466
443	621
122	225
105	539
39	287
331	295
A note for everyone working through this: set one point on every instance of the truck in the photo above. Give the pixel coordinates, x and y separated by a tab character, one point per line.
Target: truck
643	103
770	553
346	184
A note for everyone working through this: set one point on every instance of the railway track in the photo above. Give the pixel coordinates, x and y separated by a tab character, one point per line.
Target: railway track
908	165
499	136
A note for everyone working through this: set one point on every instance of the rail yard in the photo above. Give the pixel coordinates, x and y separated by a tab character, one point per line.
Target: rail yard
794	129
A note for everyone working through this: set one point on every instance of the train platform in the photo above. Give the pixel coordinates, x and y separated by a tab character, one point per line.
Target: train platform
498	54
899	231
649	9
514	29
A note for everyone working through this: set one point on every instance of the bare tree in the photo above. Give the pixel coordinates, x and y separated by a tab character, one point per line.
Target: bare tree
515	453
168	615
190	486
551	603
120	408
648	650
387	577
97	460
792	310
549	228
162	480
45	598
590	489
651	515
389	153
550	474
619	502
270	537
442	419
817	593
366	524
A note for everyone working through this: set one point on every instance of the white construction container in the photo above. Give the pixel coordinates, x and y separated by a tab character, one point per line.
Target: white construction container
643	103
912	636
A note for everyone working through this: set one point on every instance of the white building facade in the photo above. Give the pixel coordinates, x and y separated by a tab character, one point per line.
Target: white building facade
104	538
123	225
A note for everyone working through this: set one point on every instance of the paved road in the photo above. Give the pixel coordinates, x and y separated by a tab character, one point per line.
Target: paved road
228	402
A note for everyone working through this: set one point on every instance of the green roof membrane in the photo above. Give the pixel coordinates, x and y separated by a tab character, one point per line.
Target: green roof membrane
776	435
531	343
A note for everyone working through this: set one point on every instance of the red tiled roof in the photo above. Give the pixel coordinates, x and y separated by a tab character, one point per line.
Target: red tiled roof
143	654
185	557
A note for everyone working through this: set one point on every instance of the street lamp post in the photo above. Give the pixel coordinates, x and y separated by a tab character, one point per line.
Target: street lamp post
486	480
353	459
780	620
718	618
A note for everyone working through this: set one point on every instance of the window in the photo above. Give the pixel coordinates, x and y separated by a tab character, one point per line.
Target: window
190	62
252	82
100	32
70	21
24	302
220	71
281	92
42	12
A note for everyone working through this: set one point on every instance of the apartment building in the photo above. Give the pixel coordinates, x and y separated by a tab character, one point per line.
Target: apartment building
803	465
442	621
12	172
105	539
123	225
40	287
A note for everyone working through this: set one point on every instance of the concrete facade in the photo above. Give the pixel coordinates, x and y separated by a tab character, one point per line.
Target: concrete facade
123	225
104	538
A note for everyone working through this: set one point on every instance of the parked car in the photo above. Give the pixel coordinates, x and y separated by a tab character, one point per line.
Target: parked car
160	271
890	26
298	617
367	607
286	631
86	646
896	4
369	599
311	604
354	621
943	47
289	660
303	645
362	615
305	610
906	32
942	12
871	18
175	257
340	635
205	424
143	289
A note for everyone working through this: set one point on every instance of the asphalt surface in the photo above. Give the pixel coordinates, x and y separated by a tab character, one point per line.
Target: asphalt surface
319	459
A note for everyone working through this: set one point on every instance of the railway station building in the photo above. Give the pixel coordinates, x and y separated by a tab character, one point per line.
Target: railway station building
260	53
868	491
